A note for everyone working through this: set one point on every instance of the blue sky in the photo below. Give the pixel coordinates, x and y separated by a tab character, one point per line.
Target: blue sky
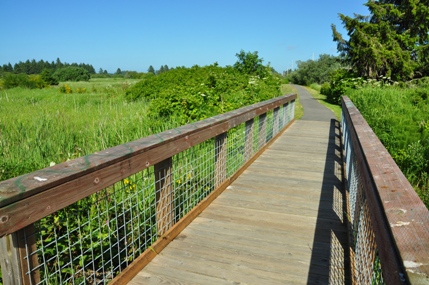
132	35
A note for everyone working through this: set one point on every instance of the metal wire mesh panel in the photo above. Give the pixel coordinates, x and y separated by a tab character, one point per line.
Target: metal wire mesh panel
93	240
366	266
193	177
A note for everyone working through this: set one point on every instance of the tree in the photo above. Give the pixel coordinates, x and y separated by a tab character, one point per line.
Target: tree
392	41
47	77
315	71
250	63
151	69
100	71
118	71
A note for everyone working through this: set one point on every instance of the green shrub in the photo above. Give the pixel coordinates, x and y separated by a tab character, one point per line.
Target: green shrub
66	89
190	94
325	89
48	77
71	73
315	86
11	80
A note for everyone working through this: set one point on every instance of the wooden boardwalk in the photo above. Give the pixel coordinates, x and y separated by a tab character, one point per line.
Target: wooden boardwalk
280	222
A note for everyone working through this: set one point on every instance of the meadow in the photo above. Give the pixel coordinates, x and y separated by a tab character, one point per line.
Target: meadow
40	127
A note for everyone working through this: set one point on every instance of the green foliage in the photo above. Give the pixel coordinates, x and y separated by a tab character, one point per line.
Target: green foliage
325	89
250	63
11	80
190	94
48	77
342	81
391	42
151	69
33	67
72	73
398	116
315	71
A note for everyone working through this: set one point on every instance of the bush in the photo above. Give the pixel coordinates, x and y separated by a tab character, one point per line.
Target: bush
11	80
46	76
72	73
325	89
66	89
190	94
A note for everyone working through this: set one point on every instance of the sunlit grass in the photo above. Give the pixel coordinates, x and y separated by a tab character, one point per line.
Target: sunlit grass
40	127
322	100
289	89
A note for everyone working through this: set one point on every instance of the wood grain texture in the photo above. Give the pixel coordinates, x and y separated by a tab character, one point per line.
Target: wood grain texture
280	222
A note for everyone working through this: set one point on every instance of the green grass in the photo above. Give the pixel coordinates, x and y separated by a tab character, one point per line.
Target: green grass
289	89
316	86
322	100
399	118
43	126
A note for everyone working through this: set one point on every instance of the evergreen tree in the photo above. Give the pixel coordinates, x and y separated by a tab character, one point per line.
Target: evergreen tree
392	41
151	69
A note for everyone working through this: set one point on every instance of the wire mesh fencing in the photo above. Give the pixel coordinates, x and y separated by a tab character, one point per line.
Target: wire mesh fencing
364	257
94	239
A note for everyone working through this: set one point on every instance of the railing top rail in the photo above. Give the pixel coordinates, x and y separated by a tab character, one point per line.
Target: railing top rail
405	213
62	182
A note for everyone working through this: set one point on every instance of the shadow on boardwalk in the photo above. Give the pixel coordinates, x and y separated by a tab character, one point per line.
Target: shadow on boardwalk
330	239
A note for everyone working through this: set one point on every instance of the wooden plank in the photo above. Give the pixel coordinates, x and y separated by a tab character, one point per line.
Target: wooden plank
272	225
171	234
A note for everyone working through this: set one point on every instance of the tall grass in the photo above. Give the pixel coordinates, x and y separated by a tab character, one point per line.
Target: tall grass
400	119
41	127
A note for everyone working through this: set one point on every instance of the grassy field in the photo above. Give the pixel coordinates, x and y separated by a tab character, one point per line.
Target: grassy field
40	127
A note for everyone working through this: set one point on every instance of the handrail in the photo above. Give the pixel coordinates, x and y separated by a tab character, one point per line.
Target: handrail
150	164
389	223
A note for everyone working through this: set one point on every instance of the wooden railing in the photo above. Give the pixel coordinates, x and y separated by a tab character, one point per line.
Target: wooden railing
389	224
101	217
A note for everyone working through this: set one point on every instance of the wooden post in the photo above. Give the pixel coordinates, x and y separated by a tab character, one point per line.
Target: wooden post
18	257
164	195
248	147
220	158
276	123
10	261
262	130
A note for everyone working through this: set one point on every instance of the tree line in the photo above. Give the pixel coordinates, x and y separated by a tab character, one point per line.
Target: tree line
36	67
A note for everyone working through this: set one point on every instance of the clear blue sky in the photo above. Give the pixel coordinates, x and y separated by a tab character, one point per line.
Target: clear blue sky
133	34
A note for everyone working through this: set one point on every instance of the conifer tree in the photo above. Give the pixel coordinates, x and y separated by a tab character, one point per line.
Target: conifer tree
392	41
